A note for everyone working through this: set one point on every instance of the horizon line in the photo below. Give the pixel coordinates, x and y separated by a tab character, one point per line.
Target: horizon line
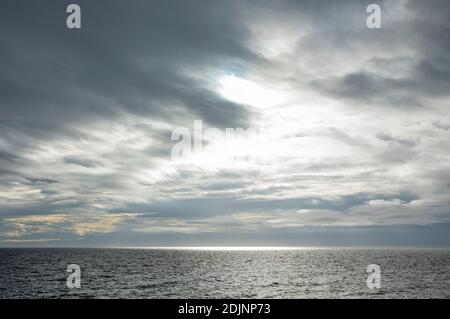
225	248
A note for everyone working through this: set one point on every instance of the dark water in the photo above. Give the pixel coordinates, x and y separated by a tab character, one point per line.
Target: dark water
306	273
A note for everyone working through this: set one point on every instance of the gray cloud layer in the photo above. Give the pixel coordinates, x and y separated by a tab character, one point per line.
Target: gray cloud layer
86	118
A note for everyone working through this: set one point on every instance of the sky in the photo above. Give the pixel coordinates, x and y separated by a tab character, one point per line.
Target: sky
353	128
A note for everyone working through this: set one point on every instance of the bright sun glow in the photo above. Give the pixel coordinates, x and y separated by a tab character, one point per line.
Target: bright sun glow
247	92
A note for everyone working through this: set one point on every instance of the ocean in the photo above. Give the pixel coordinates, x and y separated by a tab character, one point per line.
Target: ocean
208	273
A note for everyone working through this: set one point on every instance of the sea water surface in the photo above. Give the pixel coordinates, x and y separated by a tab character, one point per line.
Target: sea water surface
236	273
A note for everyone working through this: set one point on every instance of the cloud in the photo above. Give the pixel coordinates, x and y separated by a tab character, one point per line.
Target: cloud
81	162
391	139
25	241
359	134
19	227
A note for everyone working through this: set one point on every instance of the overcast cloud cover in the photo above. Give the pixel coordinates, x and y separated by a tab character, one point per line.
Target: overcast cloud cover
359	122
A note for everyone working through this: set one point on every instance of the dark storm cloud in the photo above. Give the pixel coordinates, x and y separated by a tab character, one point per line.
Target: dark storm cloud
41	180
429	78
200	207
382	72
129	58
6	156
365	87
81	161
